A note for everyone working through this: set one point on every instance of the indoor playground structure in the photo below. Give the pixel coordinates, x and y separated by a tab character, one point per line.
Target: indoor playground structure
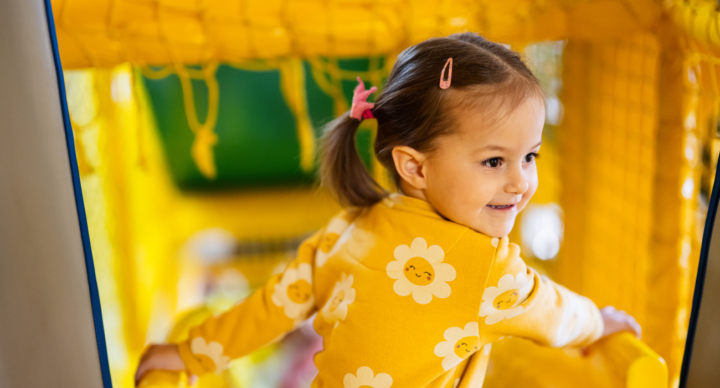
196	126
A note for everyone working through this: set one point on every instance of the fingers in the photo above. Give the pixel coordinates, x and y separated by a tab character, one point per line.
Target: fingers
139	375
142	367
608	309
635	327
146	362
630	323
619	320
143	370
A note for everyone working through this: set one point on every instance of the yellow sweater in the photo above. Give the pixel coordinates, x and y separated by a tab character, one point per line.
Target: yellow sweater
404	298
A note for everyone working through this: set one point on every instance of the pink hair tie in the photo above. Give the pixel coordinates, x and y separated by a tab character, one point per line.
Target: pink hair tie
360	107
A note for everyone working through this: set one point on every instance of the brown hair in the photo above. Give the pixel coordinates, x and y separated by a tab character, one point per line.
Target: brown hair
413	111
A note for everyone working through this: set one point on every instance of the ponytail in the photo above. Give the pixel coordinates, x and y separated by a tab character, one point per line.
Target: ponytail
342	170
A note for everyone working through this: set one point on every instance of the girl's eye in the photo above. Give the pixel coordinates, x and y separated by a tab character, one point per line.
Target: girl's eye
494	162
529	157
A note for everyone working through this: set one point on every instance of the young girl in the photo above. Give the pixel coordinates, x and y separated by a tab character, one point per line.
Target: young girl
412	288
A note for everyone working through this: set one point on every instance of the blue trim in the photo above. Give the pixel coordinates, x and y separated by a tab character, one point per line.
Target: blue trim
700	280
79	203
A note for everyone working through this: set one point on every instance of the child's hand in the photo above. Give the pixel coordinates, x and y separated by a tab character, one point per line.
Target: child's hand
615	321
162	357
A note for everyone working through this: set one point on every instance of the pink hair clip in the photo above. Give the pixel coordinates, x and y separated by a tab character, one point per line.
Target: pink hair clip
360	107
445	83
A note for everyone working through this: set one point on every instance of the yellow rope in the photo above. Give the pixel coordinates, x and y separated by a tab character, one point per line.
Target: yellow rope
157	74
318	71
292	83
293	88
256	65
205	138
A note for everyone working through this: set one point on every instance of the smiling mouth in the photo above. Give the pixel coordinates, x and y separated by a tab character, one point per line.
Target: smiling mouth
501	207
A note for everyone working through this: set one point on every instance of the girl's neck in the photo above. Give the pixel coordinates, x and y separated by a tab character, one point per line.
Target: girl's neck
407	189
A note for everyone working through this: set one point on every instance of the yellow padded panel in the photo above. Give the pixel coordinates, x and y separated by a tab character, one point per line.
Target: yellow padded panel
96	33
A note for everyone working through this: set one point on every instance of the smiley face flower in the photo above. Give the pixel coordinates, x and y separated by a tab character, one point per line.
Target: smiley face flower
367	378
294	292
503	301
209	353
459	344
419	271
343	294
337	233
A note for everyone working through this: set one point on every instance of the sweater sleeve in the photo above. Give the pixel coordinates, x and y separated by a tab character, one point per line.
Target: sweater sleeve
519	302
271	311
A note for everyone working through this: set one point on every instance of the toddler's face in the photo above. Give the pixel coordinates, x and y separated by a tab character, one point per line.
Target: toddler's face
482	175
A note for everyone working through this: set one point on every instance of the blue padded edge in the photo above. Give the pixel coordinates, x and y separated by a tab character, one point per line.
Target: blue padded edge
700	280
79	203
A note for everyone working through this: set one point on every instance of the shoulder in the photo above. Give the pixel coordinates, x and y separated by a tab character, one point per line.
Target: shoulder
507	257
476	243
338	228
342	220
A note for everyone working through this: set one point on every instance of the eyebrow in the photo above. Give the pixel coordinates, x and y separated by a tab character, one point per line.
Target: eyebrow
498	148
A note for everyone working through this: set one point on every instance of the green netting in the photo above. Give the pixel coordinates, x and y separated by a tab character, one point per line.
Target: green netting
257	139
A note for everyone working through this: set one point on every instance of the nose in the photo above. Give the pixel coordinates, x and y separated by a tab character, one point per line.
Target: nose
516	183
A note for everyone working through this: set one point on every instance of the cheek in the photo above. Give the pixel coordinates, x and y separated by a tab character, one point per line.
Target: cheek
460	179
532	188
445	185
462	192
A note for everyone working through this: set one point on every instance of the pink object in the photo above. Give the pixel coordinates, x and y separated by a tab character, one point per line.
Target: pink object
445	83
360	107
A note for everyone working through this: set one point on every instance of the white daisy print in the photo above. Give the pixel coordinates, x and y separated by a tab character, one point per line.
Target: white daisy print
503	301
294	292
486	349
574	318
212	350
419	271
361	243
343	294
459	344
366	378
337	233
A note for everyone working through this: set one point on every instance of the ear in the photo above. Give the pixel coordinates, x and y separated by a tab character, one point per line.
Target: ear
409	165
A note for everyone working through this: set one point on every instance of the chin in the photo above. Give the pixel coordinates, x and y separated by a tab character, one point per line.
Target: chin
500	233
495	232
503	230
494	228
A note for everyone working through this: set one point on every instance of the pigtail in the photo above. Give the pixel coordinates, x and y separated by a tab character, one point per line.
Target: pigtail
341	168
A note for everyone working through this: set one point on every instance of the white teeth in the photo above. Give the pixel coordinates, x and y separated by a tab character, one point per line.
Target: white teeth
500	206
